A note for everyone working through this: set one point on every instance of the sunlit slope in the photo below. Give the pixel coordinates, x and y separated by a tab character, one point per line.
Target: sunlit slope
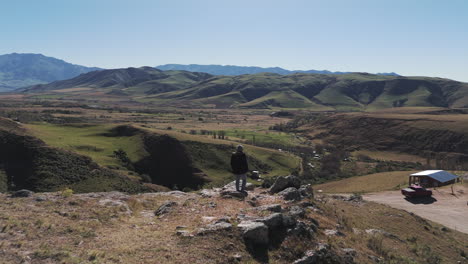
319	92
212	156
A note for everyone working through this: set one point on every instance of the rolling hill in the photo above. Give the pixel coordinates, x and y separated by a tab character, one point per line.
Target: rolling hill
319	92
20	70
239	70
129	81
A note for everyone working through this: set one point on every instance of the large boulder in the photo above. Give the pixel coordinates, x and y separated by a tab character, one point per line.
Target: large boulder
282	183
273	221
291	193
254	232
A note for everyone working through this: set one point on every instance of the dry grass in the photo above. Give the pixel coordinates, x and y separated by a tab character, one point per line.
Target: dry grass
408	238
390	156
368	183
86	229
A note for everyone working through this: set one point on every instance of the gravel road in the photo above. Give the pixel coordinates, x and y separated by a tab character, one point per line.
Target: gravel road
443	208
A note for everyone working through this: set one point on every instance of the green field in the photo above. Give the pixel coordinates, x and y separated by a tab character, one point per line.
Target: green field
264	137
89	140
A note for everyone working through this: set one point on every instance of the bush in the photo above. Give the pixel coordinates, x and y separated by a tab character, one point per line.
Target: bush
67	192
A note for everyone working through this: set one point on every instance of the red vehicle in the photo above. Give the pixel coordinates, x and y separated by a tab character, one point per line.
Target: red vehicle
416	191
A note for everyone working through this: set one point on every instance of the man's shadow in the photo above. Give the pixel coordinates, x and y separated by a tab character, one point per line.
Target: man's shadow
421	200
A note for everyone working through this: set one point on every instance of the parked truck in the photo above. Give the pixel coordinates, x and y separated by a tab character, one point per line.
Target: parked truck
414	191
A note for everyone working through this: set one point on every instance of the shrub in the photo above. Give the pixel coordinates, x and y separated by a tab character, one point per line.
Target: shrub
67	192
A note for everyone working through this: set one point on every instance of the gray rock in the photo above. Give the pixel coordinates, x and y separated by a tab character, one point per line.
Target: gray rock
233	194
184	233
223	220
323	247
40	198
165	208
307	204
374	259
232	186
270	207
306	190
273	221
124	208
255	232
221	226
236	257
208	193
382	232
301	230
22	193
296	211
313	227
310	257
349	251
290	193
282	183
289	221
333	232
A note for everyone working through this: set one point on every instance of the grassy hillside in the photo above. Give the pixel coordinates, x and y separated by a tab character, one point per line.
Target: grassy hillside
319	92
212	156
27	162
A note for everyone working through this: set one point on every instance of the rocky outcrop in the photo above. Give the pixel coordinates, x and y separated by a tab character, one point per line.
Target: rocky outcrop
255	233
165	208
282	183
290	193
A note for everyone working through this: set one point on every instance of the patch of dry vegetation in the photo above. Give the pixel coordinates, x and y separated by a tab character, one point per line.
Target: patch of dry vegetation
376	182
118	228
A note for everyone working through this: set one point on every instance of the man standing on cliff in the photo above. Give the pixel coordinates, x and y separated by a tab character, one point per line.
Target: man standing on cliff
240	167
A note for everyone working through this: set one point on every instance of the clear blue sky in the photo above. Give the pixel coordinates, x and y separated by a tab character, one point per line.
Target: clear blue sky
410	37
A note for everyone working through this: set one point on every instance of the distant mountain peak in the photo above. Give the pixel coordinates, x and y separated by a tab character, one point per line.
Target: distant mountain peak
25	69
240	70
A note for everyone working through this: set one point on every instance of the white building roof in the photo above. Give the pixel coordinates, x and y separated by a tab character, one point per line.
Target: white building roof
439	175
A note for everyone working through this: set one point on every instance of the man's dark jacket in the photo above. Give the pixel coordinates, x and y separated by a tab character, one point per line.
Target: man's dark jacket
239	163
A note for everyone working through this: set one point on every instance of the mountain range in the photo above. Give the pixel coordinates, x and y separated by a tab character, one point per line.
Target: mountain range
20	70
320	92
239	70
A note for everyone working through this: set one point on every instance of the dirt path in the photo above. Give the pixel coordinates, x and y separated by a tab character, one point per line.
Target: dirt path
444	208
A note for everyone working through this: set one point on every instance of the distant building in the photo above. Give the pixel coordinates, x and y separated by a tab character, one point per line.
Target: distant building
432	178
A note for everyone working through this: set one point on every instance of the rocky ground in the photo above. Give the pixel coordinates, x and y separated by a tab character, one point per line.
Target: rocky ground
282	224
